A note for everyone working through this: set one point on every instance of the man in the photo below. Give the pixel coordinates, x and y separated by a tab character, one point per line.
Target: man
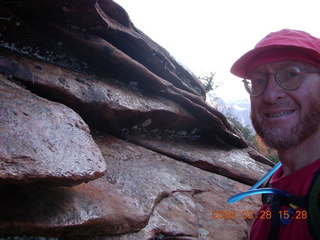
282	76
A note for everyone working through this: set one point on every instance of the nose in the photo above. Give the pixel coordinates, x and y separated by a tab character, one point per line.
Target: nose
273	92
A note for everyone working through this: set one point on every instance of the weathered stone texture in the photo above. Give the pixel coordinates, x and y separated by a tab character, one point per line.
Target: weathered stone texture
143	188
157	161
232	163
43	141
197	193
96	45
100	100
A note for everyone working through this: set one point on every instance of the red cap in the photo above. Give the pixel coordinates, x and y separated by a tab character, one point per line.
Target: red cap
278	46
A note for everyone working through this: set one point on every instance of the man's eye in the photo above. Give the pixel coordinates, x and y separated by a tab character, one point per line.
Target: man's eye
258	81
292	74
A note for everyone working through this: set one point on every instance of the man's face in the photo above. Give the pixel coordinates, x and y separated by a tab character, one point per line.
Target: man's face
285	118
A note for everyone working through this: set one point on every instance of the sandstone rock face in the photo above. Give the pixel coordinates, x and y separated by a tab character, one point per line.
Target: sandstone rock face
43	141
232	163
94	41
104	136
185	197
101	100
144	190
90	209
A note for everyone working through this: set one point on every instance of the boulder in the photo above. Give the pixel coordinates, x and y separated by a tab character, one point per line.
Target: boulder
43	141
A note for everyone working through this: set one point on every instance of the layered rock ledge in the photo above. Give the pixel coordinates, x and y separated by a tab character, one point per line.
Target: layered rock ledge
43	141
105	136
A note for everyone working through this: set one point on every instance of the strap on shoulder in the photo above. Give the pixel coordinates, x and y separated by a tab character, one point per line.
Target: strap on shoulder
314	206
275	220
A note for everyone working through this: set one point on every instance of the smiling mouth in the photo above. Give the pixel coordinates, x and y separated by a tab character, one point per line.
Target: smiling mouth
280	114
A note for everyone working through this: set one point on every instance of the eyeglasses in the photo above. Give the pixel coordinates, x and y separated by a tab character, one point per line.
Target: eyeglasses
288	77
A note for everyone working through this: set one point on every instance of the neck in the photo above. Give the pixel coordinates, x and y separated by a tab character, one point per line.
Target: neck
298	157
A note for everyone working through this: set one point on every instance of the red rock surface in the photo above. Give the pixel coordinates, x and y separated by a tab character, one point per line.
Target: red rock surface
43	141
98	43
171	159
143	190
101	101
235	164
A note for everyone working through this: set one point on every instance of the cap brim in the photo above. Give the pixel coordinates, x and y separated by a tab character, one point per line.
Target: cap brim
241	66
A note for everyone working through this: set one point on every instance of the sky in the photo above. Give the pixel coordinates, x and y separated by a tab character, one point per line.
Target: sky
210	35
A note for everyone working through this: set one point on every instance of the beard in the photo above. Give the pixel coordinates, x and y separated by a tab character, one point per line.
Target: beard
285	138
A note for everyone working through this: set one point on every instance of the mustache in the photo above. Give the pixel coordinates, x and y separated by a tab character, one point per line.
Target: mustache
278	105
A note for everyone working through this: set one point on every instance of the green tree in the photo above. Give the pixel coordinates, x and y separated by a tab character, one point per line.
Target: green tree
253	139
246	130
209	82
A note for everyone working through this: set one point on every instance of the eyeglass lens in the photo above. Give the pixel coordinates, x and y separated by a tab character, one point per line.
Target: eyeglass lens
288	78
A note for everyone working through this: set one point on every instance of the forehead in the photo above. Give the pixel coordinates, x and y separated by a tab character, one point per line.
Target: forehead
274	66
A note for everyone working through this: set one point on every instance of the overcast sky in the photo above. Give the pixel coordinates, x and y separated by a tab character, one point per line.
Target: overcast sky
209	35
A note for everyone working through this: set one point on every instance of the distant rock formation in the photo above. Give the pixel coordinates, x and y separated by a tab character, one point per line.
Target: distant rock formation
238	108
104	136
